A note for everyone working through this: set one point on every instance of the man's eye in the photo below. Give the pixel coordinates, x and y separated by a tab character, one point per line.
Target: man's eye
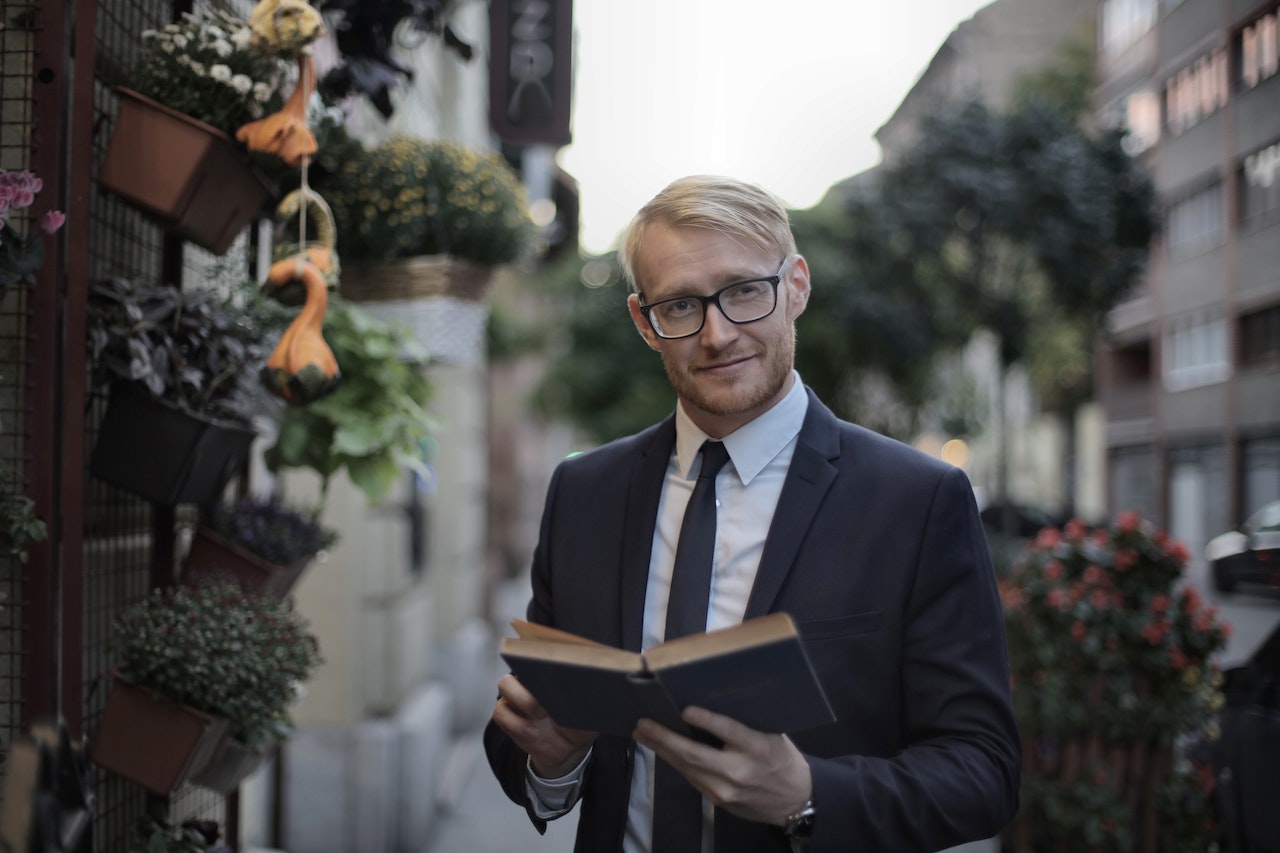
679	307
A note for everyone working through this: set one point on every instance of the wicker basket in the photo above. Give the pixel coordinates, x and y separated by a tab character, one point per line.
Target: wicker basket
415	278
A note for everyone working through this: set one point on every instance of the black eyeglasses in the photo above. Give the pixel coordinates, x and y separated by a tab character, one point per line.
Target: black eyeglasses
740	302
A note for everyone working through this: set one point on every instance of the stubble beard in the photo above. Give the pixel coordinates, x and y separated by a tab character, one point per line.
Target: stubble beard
729	396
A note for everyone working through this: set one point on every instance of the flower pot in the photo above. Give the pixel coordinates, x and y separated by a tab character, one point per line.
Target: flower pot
164	454
188	175
230	764
415	278
152	742
212	554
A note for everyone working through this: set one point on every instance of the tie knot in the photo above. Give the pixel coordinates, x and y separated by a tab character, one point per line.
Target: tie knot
714	455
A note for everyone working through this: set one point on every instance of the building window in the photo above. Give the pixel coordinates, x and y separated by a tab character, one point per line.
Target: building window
1123	22
1196	351
1196	92
1260	50
1260	337
1260	186
1261	460
1194	224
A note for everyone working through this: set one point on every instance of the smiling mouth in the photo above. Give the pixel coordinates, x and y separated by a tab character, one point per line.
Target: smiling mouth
725	365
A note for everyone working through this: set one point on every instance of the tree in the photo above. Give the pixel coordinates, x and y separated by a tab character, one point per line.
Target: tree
1022	224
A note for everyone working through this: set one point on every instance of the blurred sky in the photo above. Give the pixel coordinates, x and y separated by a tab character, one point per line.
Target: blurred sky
785	93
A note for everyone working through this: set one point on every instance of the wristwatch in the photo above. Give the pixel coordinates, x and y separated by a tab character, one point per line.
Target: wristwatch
800	824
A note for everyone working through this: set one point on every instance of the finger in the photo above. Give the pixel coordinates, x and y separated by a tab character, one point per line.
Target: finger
725	728
514	723
515	693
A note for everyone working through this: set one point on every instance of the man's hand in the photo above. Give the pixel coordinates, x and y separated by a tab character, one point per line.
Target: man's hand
755	776
553	750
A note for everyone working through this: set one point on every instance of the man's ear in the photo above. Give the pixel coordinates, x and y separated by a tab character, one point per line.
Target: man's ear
642	325
798	286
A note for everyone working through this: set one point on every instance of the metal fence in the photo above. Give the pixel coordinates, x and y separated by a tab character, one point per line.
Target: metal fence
59	64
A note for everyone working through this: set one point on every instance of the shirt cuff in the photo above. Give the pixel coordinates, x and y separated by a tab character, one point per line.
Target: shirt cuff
552	798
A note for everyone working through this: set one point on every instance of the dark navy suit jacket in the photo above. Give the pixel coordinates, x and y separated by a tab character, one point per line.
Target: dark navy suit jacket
877	553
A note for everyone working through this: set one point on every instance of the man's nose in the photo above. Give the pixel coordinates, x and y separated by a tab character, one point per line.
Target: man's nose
716	326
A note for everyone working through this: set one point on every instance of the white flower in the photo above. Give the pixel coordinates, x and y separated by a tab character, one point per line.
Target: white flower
261	92
241	38
179	40
150	34
197	68
223	48
242	84
221	73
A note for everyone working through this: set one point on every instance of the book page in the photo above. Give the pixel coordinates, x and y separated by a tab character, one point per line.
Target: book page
578	654
534	631
753	632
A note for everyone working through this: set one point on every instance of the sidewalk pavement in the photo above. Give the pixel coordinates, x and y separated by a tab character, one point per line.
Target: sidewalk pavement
476	816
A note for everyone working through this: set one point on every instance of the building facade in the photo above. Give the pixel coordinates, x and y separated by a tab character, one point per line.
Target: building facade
1189	373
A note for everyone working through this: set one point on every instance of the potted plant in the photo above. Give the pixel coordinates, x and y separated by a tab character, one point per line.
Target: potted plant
178	364
1113	685
19	525
262	542
425	217
172	153
375	424
212	649
21	254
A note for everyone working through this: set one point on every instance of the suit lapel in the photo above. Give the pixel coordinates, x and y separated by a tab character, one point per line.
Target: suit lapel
643	495
808	480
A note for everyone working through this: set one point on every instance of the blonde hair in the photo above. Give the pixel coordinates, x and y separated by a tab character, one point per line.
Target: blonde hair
730	206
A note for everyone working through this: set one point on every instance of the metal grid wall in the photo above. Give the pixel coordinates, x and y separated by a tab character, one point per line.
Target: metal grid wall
129	546
17	47
111	548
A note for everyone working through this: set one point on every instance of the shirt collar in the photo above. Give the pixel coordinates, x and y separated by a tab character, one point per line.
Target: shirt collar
753	444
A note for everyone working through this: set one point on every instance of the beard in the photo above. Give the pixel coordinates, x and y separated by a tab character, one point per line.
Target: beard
734	395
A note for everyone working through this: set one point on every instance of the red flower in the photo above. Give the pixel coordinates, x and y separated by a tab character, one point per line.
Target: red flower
1159	603
1128	522
1053	570
1078	630
1048	538
1074	530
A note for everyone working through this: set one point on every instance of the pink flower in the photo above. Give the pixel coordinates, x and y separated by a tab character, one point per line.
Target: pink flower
1099	599
1053	570
52	221
1047	538
1078	630
1159	603
1074	530
1128	522
1125	558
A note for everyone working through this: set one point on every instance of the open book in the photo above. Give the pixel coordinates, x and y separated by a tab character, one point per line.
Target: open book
756	672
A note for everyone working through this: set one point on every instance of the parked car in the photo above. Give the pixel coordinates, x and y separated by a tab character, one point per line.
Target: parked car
1250	554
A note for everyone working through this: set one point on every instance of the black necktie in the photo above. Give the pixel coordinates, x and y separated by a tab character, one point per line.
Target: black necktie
677	805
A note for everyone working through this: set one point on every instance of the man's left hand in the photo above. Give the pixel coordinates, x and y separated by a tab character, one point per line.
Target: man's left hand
755	776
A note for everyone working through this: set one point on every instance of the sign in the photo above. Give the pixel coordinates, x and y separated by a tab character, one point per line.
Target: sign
531	53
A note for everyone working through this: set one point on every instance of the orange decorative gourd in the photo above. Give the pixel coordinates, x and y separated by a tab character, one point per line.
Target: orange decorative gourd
302	369
285	133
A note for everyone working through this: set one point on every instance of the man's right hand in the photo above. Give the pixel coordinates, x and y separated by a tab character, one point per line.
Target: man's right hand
553	750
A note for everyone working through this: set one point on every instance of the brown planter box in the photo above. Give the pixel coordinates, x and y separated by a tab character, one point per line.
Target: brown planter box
211	554
152	742
188	175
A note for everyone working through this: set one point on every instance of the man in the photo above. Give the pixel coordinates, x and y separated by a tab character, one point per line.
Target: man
874	549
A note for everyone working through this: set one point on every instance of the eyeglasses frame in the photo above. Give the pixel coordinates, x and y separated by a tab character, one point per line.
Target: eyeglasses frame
714	299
